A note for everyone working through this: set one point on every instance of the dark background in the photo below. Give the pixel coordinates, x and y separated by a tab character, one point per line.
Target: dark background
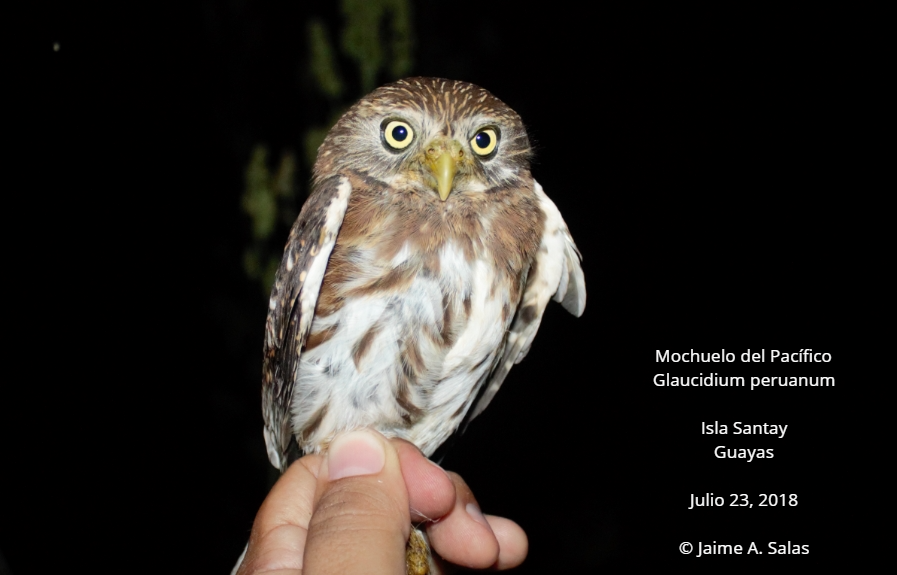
705	165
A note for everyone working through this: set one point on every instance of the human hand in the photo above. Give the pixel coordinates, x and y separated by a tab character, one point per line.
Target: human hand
350	511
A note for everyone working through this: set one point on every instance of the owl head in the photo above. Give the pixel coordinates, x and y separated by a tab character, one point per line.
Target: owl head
429	135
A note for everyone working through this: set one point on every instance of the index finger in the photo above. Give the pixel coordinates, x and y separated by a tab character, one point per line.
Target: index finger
280	529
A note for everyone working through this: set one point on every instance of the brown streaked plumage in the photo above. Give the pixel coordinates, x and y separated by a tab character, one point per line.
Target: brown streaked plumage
416	274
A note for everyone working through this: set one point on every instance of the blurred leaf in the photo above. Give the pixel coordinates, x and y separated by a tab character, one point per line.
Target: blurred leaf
251	263
258	197
402	39
361	38
284	181
363	43
323	60
377	37
264	197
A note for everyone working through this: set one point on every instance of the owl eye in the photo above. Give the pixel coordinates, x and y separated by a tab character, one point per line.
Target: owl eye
483	143
398	134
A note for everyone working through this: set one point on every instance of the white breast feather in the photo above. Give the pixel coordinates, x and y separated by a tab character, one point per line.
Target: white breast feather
355	398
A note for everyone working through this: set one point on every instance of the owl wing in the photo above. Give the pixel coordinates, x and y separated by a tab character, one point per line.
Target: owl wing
292	306
556	273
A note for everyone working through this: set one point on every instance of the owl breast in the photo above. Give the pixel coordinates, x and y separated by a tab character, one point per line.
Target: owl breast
414	309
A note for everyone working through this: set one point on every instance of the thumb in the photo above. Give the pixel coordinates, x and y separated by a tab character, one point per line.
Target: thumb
361	520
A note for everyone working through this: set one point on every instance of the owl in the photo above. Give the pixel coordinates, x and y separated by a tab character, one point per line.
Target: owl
416	274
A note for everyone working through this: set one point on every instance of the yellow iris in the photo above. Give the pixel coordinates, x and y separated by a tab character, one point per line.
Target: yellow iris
398	134
484	142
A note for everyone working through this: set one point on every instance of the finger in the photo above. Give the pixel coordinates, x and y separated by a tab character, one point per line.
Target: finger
463	536
279	531
361	520
512	542
431	493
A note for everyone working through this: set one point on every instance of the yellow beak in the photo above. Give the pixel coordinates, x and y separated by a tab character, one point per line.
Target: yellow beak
444	169
443	163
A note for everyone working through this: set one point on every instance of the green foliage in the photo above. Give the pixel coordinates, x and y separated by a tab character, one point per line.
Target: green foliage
362	40
268	199
258	199
377	37
323	61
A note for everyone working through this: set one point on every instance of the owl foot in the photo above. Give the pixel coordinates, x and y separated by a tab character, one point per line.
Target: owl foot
417	554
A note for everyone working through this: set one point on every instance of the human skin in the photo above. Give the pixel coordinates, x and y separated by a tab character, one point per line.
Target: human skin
350	511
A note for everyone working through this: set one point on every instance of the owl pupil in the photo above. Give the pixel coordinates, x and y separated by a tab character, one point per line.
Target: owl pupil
483	140
399	133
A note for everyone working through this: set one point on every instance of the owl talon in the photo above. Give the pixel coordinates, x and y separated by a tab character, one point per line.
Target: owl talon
417	554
